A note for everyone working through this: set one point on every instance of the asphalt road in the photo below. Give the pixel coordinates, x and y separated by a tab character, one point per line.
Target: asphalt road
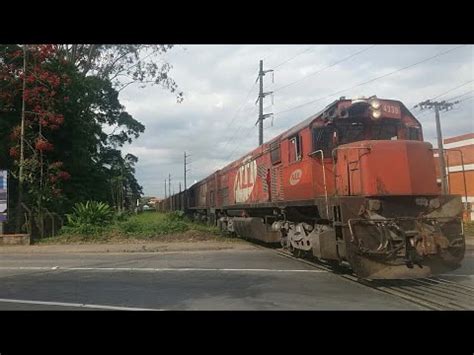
252	279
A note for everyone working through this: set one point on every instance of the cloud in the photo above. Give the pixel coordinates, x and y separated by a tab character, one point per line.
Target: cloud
217	80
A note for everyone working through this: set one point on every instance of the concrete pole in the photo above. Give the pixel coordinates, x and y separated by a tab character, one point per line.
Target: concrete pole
260	103
442	162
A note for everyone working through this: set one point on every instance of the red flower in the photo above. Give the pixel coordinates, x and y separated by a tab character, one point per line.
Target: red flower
14	153
64	175
56	165
16	132
43	145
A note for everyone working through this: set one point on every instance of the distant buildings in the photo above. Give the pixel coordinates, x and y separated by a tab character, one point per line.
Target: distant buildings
153	201
460	149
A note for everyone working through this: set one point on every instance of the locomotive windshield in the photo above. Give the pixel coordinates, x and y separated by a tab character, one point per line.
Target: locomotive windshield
328	137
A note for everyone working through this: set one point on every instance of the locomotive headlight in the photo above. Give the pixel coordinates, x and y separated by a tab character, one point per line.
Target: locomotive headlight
375	104
376	114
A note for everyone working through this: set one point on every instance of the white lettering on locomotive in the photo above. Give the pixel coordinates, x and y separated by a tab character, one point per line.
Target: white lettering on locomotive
245	180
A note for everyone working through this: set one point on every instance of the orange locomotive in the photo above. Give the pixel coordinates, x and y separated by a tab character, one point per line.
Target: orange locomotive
354	183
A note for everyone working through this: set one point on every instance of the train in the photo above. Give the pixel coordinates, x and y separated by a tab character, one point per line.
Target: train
354	184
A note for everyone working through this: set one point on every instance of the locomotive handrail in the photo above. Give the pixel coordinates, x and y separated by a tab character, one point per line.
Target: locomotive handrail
463	171
324	178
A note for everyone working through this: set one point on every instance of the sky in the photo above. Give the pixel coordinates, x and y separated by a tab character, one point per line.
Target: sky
215	124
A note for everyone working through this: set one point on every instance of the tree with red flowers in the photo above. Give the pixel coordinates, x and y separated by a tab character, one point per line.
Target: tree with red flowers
30	141
74	124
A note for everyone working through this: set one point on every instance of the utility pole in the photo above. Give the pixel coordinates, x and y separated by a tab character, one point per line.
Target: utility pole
169	191
439	106
22	148
261	95
165	188
185	175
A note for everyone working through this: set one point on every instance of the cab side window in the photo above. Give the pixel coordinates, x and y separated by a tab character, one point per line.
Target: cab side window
295	149
414	134
275	152
323	140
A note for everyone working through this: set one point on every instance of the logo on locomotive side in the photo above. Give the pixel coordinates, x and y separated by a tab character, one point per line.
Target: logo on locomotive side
295	177
245	180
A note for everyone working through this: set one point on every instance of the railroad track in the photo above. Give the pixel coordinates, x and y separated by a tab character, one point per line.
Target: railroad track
434	293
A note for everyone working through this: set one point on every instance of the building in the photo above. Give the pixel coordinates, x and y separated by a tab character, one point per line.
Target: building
459	154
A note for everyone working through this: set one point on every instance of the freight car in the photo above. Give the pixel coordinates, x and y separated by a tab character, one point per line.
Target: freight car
354	183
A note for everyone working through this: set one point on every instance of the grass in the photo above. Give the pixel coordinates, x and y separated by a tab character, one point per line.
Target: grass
469	229
153	226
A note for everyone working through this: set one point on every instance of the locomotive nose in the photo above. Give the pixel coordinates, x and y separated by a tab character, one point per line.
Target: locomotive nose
398	167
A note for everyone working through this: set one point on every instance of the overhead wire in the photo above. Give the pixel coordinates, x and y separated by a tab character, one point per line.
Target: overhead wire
371	80
322	69
289	59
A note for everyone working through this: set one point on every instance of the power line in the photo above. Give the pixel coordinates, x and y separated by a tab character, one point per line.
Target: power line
327	67
238	129
457	87
297	55
451	99
465	99
458	96
241	105
241	126
371	80
237	146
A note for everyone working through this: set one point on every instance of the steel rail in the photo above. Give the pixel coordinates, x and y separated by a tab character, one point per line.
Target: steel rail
432	293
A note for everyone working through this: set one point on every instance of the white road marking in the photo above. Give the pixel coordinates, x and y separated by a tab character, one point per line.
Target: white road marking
457	275
79	305
153	269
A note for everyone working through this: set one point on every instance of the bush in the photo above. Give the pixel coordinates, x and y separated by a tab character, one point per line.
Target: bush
153	225
176	216
91	213
122	216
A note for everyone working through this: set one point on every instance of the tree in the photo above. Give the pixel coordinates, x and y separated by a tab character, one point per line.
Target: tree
123	65
72	93
39	120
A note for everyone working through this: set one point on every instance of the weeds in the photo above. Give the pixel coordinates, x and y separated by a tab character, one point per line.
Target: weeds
148	225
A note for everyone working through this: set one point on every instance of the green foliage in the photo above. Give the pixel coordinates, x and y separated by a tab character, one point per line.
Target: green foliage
469	229
144	226
89	105
176	216
90	214
153	224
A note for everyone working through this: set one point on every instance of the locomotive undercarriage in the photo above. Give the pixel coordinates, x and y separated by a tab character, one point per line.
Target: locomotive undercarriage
366	233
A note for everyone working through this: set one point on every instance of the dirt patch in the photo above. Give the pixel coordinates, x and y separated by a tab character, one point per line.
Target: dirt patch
188	241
